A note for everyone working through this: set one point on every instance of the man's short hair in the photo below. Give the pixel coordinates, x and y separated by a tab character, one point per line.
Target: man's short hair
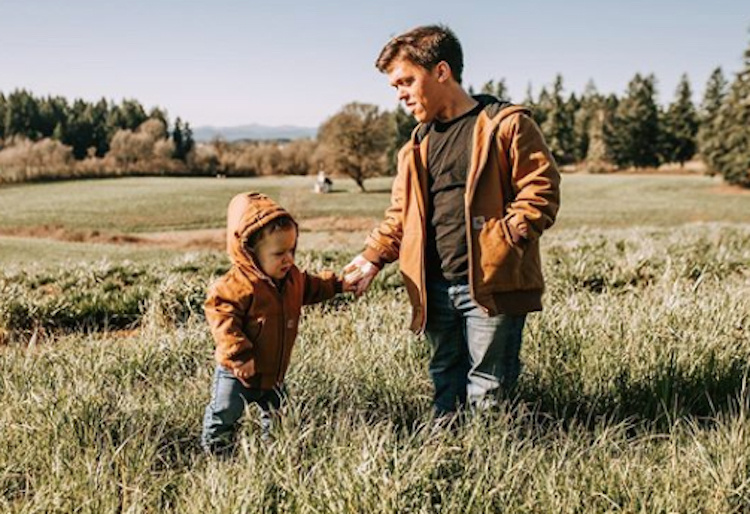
425	46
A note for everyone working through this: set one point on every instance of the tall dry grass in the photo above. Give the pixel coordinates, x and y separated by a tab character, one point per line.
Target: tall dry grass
633	398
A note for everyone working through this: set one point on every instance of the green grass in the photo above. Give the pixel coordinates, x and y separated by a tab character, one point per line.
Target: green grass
161	204
633	397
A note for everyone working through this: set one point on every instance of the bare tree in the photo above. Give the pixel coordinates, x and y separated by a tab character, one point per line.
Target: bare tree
355	141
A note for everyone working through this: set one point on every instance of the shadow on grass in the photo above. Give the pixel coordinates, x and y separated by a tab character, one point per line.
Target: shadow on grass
668	394
671	393
379	191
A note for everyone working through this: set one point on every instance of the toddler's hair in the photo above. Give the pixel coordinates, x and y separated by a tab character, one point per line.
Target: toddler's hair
283	222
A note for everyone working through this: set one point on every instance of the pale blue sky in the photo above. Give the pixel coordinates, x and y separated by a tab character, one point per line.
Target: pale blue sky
288	62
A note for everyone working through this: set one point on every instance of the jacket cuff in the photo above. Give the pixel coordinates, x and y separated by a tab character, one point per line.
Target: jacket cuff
373	256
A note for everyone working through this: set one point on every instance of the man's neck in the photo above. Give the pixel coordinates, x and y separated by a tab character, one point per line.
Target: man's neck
457	105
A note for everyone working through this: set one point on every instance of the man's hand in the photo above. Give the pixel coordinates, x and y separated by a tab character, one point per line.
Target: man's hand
244	370
359	274
518	231
348	287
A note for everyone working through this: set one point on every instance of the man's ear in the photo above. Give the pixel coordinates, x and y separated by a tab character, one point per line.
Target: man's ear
443	71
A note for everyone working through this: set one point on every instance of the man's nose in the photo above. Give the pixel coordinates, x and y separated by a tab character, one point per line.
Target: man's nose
402	94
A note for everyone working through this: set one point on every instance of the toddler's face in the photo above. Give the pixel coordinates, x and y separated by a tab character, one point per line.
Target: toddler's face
275	252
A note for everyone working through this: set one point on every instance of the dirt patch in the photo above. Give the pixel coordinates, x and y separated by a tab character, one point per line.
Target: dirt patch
337	223
60	233
208	239
727	189
689	168
321	232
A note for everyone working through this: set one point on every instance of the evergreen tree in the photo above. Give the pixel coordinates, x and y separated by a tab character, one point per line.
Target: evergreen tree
633	134
499	90
488	88
680	125
529	101
733	121
159	114
53	111
177	139
542	106
99	113
710	140
558	124
588	106
182	137
22	115
79	129
598	152
129	115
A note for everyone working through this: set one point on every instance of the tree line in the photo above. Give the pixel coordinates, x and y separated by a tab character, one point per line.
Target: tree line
52	138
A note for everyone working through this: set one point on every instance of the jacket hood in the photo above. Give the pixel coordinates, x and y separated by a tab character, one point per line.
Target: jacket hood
247	214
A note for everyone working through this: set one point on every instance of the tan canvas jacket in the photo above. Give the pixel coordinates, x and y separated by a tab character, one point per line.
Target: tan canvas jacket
513	185
250	316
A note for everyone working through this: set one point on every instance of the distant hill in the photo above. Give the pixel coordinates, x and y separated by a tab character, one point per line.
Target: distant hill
253	131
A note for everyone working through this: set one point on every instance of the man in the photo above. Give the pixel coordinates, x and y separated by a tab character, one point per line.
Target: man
476	187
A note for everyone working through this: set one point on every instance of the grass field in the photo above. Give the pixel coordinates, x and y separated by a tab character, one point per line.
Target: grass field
159	204
634	396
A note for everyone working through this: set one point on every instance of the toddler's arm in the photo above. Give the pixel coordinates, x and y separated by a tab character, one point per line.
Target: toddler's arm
225	308
324	286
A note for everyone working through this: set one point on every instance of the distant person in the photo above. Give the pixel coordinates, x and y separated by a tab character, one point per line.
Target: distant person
476	187
323	184
254	311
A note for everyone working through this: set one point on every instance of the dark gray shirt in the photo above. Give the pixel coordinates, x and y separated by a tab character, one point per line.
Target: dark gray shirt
448	161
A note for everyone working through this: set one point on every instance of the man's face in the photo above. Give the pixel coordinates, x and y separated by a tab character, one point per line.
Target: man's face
418	88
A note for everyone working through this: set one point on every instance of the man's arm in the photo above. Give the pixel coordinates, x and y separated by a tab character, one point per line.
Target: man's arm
535	180
384	242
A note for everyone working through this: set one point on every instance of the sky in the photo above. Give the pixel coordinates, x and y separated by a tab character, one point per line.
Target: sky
281	62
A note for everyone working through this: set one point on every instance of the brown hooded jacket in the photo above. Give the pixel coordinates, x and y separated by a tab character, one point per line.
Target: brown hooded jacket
250	315
513	185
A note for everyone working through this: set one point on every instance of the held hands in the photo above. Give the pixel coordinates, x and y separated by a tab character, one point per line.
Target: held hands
244	371
348	287
358	275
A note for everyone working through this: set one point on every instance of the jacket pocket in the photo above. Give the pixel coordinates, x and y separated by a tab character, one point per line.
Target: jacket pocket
500	260
254	328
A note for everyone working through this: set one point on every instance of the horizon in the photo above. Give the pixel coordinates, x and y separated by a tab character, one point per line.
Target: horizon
243	63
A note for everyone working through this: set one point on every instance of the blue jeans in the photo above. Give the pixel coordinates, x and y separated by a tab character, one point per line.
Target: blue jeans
475	356
228	400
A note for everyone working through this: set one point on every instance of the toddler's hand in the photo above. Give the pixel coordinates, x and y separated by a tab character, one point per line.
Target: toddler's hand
244	371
